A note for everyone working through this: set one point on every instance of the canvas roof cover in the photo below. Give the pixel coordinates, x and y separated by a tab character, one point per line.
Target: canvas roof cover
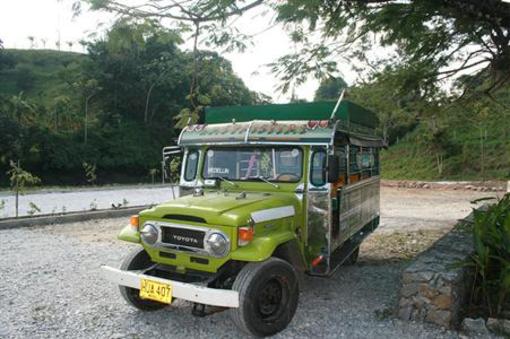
319	110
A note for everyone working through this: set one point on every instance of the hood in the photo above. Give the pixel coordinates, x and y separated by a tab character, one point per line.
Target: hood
229	209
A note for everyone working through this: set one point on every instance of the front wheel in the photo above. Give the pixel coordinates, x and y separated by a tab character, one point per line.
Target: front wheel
268	297
138	260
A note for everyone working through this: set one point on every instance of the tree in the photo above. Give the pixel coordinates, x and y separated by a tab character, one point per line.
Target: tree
435	39
134	78
145	76
24	77
6	60
61	107
19	179
90	172
90	89
10	137
202	17
382	93
21	109
31	39
330	88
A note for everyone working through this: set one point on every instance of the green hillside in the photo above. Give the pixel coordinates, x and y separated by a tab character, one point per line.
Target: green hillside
474	151
36	73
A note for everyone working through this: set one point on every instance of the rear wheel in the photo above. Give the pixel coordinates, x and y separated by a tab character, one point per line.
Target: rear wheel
268	297
138	260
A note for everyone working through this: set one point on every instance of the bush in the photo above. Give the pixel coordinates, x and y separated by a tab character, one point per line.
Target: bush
491	258
24	77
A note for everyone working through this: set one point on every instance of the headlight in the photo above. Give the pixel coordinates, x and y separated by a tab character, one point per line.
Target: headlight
217	244
149	234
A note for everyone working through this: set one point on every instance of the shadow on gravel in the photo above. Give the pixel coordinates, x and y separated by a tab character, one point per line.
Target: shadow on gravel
346	303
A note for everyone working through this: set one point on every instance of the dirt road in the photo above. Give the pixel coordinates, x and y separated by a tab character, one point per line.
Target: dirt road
404	209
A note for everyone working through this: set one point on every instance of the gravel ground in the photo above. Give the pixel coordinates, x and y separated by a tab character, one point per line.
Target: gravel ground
52	286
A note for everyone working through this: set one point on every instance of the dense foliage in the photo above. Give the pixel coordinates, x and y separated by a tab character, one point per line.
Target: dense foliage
436	72
432	40
463	139
113	108
491	258
136	86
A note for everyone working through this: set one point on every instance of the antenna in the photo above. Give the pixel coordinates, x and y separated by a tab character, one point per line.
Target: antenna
337	104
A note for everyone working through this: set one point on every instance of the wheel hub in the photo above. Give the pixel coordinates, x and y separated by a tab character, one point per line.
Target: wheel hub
270	298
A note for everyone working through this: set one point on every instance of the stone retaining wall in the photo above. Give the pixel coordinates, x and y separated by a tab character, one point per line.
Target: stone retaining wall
434	287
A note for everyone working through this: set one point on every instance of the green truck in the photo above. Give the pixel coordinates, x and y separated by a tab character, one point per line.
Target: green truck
269	193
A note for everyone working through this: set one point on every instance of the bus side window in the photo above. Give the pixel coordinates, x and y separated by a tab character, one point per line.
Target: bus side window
364	162
190	172
354	159
317	169
342	158
375	167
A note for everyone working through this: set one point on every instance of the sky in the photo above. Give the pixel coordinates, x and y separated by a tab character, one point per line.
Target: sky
45	20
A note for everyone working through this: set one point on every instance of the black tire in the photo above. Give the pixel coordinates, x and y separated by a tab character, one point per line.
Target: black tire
352	259
137	260
268	297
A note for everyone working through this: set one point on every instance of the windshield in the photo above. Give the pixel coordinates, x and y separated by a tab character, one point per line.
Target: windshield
253	163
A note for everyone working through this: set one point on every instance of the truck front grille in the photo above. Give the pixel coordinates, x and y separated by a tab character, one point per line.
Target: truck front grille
182	217
182	237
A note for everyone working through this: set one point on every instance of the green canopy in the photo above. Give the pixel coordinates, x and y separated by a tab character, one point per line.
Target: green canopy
348	113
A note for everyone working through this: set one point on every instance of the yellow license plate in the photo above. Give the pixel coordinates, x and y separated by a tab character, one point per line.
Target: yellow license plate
153	290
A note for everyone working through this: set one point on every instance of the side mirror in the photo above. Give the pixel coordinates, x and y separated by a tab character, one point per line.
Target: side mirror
333	168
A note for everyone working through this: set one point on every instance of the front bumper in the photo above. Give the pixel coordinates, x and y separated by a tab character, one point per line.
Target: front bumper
180	290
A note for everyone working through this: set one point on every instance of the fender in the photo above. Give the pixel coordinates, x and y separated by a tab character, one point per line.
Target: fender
129	234
291	253
262	248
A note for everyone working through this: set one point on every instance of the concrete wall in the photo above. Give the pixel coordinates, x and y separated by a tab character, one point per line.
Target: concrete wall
68	217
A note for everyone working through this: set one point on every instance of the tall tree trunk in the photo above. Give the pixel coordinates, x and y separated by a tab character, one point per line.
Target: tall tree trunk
86	120
385	133
87	116
146	113
195	65
439	161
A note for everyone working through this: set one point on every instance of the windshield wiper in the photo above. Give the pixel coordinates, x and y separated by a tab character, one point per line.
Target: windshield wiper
267	181
225	180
